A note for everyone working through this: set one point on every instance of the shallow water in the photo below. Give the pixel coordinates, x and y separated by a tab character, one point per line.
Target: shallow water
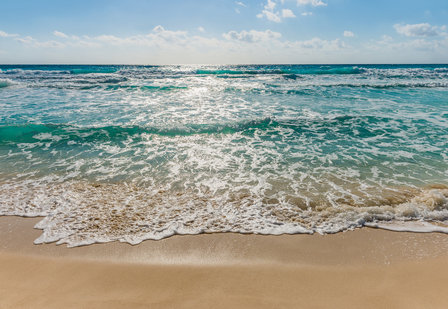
143	152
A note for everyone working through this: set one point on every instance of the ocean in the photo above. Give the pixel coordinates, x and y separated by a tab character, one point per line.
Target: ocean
128	153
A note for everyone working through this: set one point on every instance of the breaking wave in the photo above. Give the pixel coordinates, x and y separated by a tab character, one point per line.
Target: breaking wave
6	83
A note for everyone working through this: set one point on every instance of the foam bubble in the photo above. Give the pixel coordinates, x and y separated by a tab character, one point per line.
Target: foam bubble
80	213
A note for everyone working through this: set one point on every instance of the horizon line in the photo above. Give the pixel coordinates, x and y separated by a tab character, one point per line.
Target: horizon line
235	64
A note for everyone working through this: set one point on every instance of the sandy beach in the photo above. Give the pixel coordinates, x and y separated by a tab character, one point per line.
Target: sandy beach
366	268
223	154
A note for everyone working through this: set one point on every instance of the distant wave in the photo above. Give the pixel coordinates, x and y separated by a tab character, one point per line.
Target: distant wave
240	72
109	85
411	84
32	132
39	70
293	77
343	124
6	83
145	87
287	71
310	89
94	69
390	70
18	71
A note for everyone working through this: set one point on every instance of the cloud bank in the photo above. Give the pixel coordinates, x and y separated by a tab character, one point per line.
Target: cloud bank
422	30
423	42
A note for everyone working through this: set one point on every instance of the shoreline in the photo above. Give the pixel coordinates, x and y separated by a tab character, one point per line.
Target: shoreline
365	245
82	213
368	268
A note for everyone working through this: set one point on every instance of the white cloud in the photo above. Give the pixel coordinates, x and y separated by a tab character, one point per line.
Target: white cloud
307	13
4	34
158	28
240	5
164	46
270	13
275	17
252	36
320	44
410	50
159	36
30	41
311	2
287	13
270	5
348	34
60	34
385	39
110	39
25	40
424	30
201	29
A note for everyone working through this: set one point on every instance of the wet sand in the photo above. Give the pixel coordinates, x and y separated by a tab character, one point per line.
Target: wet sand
366	268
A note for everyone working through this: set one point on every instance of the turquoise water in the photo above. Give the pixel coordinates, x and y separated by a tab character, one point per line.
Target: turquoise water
130	153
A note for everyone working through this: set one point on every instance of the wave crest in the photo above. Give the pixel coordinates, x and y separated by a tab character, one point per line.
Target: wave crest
6	83
33	132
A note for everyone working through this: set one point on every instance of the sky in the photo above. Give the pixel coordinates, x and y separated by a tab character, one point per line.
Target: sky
223	31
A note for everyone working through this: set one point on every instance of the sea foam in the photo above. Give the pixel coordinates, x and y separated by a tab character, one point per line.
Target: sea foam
79	213
129	153
4	82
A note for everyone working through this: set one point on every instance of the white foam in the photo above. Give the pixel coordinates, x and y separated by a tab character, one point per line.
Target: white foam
47	136
5	82
409	226
79	213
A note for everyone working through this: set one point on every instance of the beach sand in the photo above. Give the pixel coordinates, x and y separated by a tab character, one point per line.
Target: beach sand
365	268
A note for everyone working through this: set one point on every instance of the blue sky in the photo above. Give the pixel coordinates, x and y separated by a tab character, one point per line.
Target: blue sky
223	31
